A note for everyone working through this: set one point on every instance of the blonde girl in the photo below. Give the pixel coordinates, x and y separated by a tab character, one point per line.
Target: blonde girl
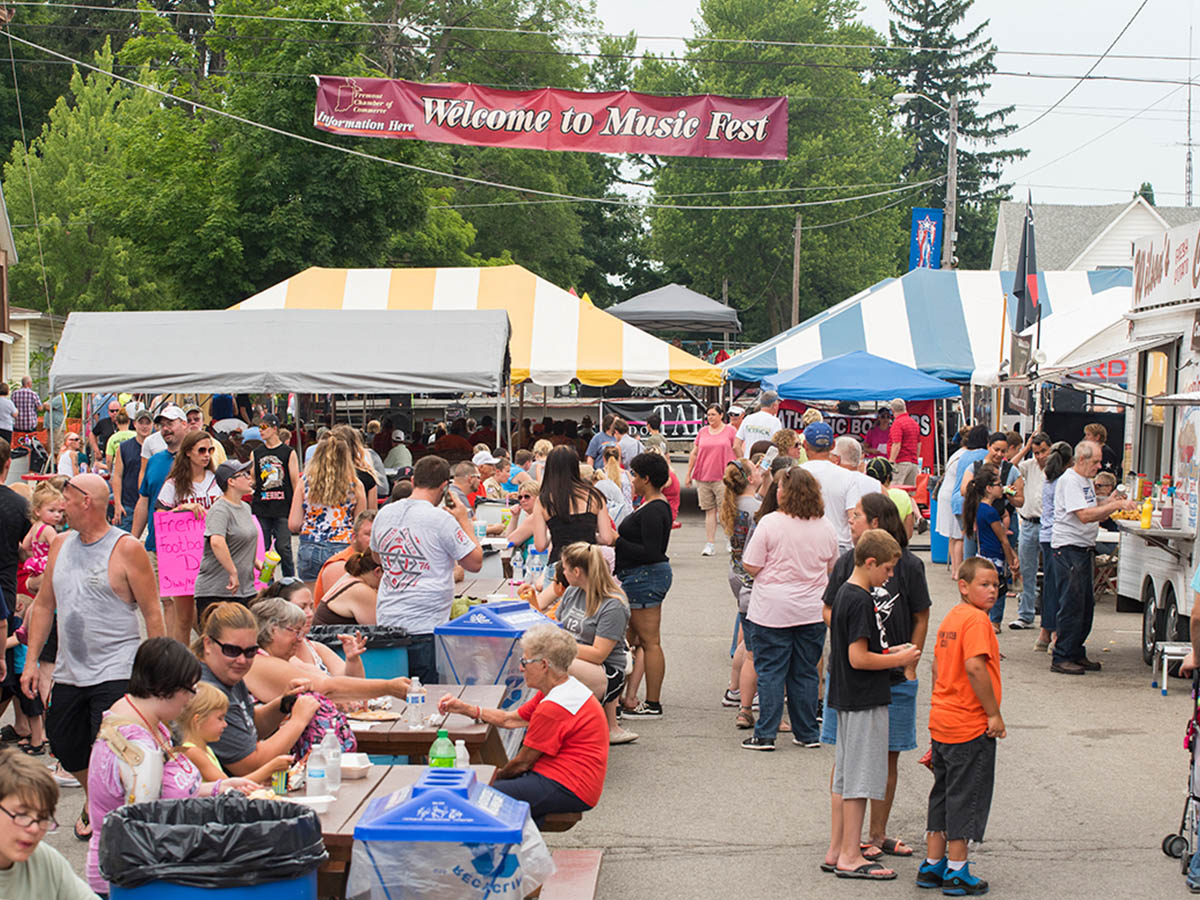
614	473
202	723
595	610
363	468
324	511
738	508
47	516
541	449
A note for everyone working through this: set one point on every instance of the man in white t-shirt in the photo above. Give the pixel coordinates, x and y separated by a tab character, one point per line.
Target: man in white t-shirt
417	544
838	488
1077	520
758	426
847	453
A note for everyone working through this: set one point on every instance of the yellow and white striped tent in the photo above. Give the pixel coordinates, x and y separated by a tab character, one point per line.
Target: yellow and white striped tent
556	337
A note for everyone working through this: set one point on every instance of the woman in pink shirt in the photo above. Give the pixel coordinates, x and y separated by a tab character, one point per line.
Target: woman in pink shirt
789	557
711	453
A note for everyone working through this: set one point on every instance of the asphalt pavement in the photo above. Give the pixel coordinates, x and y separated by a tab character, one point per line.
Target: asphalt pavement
1090	778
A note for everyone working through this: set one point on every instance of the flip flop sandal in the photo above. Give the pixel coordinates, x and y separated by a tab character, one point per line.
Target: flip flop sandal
870	852
8	735
892	847
828	867
31	749
86	823
871	872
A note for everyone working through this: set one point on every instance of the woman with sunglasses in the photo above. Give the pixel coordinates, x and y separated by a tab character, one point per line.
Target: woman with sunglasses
68	457
134	759
227	648
230	541
191	486
527	495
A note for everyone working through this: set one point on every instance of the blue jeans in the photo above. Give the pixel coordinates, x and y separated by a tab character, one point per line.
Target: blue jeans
646	586
1027	553
1076	605
788	657
1193	873
313	555
125	523
275	531
1049	589
970	546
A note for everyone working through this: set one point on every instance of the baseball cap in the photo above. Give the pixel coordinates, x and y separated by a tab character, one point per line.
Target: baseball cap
397	435
142	413
819	436
171	412
227	470
192	407
269	419
404	473
736	410
483	458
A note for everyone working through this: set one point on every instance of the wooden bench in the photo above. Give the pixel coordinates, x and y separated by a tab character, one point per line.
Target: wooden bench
577	875
556	822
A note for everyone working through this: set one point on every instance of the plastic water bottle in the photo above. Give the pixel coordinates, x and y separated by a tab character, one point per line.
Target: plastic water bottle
316	772
332	748
518	567
415	712
441	754
536	564
462	758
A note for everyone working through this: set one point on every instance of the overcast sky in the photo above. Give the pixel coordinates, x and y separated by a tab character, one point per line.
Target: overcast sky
1110	167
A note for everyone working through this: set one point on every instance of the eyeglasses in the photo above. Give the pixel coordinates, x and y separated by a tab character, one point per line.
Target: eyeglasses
297	630
24	820
233	651
528	662
72	484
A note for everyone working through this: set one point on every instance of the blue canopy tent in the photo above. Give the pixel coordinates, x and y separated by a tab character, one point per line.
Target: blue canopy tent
860	376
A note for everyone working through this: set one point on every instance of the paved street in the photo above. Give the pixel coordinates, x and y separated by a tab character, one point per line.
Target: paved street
1090	778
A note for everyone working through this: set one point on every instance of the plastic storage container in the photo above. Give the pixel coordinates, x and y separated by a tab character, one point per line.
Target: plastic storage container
227	847
483	646
939	544
387	647
447	836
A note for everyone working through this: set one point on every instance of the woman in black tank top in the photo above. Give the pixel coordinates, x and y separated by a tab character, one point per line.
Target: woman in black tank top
568	509
351	600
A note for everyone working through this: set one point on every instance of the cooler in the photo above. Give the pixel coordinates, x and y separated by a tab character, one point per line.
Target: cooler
447	836
939	544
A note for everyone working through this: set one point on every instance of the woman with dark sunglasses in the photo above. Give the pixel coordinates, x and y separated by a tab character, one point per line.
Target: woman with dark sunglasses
226	649
191	486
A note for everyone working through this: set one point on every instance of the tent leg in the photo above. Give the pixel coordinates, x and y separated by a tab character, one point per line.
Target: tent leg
521	416
499	417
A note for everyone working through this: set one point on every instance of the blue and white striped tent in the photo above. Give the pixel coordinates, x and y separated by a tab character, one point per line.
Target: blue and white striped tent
944	322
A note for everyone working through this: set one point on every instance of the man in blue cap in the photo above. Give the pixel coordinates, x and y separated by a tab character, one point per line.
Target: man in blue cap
838	487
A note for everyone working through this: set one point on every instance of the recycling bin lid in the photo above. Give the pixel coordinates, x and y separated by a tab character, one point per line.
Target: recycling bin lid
444	806
508	618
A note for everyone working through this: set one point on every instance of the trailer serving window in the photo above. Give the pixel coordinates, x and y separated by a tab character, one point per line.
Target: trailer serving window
1157	370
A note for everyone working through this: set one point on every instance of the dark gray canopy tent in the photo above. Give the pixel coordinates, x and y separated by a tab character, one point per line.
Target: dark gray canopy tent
677	308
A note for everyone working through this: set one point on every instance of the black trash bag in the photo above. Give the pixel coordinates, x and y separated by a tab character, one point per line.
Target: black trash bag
210	842
378	636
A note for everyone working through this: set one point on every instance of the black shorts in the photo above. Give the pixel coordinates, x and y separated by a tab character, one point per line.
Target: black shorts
616	683
961	798
49	652
74	719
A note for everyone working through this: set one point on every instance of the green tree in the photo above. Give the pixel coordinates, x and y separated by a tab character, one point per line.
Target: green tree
1146	191
839	135
929	56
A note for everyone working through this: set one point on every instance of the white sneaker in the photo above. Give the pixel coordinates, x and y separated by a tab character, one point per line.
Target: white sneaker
728	547
707	551
62	778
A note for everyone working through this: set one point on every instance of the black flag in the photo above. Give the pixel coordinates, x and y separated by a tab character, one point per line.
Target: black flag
1025	285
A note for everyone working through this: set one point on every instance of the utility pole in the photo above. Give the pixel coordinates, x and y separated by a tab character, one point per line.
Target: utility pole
951	186
796	274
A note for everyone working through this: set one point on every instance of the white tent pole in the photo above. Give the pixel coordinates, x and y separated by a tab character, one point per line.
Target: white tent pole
499	415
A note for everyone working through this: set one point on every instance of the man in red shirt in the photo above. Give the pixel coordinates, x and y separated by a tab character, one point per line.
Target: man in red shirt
904	439
564	757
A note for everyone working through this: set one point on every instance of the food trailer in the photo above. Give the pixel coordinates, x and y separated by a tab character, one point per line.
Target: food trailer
1161	432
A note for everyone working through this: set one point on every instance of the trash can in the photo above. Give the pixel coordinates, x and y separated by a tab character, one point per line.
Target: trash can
227	846
447	836
387	647
939	544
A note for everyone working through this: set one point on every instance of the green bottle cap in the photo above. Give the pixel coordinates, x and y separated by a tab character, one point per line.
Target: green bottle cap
442	733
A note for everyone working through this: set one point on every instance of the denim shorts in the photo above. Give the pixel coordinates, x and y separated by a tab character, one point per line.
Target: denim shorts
646	586
748	633
902	718
313	555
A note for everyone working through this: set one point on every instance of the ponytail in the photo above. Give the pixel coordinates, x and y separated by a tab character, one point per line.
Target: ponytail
612	463
975	493
736	480
600	581
359	564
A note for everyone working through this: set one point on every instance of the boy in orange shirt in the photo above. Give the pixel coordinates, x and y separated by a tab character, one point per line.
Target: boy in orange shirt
964	722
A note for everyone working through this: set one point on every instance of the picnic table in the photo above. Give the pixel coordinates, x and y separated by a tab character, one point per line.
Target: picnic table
481	586
395	738
337	823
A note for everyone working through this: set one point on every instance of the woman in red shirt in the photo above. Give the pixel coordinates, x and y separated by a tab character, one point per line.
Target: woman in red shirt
561	764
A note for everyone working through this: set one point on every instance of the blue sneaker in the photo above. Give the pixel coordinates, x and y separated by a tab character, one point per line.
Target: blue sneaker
931	876
962	883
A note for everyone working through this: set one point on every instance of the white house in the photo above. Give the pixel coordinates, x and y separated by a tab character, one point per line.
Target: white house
1082	237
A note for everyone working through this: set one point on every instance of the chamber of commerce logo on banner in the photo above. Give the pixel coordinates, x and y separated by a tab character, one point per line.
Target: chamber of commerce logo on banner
925	243
553	119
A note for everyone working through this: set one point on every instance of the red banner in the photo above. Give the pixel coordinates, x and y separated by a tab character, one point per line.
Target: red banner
553	119
790	412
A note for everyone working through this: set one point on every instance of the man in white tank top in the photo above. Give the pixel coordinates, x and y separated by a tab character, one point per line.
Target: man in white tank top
97	579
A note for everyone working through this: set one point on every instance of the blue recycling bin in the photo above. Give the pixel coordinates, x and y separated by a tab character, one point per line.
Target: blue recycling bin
301	888
446	836
939	544
483	646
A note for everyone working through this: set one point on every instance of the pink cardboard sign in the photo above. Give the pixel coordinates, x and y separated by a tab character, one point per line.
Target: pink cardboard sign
179	539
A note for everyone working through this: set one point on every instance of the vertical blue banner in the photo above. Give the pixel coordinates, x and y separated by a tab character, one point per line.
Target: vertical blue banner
925	242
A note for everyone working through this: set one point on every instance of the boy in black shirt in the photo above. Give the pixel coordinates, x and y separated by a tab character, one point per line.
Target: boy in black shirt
859	694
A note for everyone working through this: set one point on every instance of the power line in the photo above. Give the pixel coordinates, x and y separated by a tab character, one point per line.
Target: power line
1085	75
609	201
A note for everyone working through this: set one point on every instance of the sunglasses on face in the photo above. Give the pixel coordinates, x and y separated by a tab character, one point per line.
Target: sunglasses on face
233	651
204	449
